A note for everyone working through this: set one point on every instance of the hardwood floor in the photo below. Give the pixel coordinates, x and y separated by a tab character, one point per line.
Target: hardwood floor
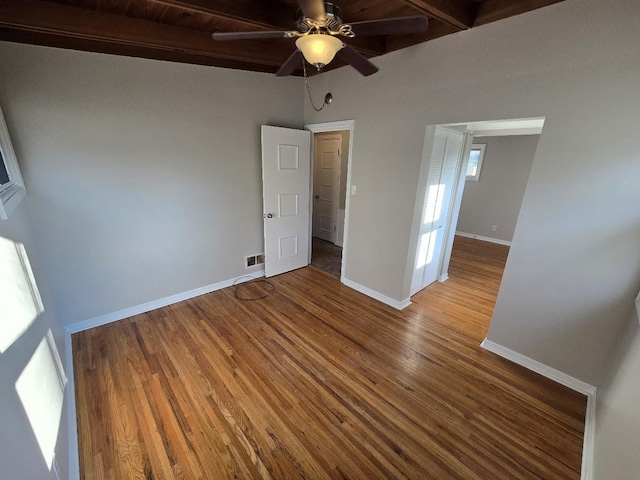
317	381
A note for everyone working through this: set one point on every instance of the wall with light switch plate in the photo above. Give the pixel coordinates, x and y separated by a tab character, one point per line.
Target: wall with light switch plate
574	266
572	272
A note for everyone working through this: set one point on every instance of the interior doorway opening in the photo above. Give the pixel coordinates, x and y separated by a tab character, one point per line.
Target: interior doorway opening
452	157
330	159
330	179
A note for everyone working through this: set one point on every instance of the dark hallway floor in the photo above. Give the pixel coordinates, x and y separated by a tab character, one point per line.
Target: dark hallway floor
326	256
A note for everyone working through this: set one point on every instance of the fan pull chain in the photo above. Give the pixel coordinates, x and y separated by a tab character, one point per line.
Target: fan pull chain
306	84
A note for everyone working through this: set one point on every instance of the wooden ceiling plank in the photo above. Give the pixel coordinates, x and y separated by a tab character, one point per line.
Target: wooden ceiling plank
457	13
436	30
363	10
269	15
46	17
493	10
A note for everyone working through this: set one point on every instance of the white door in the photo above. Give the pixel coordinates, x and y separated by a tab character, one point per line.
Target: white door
444	167
326	185
286	168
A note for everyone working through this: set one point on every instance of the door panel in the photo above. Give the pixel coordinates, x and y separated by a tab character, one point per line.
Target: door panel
444	166
286	165
326	181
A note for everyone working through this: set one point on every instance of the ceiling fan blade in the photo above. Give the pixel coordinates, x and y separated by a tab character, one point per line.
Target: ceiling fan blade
357	61
225	36
293	62
313	9
391	26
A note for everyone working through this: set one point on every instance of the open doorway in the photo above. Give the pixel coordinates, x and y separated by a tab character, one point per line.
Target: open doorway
331	145
330	159
487	158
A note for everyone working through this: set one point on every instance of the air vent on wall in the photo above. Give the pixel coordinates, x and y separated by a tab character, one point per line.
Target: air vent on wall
254	260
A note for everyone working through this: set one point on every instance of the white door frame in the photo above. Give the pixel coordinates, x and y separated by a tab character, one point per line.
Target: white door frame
333	127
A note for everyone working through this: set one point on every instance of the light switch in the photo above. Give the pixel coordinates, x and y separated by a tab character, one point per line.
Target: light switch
353	189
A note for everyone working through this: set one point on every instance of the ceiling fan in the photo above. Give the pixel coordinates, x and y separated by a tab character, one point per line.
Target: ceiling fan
317	29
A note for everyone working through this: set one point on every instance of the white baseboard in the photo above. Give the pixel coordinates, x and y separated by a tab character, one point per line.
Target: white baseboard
567	381
398	305
443	278
484	239
544	370
154	304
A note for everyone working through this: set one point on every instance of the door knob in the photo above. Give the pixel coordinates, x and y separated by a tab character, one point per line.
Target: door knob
317	197
269	215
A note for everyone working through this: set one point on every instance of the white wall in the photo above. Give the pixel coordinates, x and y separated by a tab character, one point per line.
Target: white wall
573	267
143	177
496	198
618	412
20	451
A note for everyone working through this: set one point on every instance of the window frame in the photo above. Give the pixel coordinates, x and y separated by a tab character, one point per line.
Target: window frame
476	146
12	193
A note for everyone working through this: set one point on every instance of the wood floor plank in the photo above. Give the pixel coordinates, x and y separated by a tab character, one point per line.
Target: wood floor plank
318	381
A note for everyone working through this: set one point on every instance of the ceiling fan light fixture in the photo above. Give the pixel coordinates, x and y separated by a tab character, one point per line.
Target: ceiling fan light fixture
319	48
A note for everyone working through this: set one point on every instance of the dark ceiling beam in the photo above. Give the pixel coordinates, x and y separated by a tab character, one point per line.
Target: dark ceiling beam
61	20
492	10
457	13
83	44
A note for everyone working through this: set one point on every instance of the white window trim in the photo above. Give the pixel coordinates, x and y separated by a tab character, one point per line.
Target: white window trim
481	147
13	192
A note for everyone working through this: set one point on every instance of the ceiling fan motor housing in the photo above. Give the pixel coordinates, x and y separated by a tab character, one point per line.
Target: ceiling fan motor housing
331	22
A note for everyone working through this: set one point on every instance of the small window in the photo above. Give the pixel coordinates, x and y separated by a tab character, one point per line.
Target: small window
11	184
475	161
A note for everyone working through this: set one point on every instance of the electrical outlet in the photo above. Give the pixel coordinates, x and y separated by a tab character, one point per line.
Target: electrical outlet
494	228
